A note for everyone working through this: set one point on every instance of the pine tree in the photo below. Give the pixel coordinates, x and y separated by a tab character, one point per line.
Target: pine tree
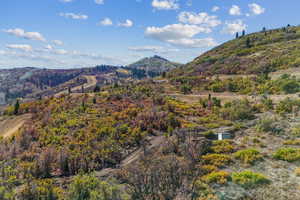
243	33
17	107
237	35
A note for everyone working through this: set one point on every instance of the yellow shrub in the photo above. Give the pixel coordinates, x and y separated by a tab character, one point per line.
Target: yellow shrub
220	177
297	171
248	156
223	146
217	160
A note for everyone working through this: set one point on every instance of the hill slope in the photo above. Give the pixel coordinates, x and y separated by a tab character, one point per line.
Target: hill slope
154	64
263	51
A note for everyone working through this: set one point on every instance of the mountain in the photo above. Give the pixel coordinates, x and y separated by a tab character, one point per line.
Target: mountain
155	64
264	51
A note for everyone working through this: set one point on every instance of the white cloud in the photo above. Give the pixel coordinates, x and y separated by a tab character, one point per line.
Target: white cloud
60	52
105	22
23	47
194	42
215	8
99	2
155	49
48	47
74	16
27	35
235	10
165	4
57	42
175	31
256	9
66	1
181	35
128	23
200	19
234	26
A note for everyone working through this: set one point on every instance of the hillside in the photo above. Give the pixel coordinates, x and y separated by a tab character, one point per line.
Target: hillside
155	64
255	53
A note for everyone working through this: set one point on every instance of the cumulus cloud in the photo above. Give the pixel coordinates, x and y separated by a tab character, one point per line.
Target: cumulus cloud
234	26
215	8
27	35
105	22
155	49
128	23
99	2
57	42
165	4
256	9
74	16
175	31
194	42
23	47
180	35
235	10
200	19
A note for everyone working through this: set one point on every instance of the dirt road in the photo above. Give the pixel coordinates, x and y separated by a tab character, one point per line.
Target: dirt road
10	125
227	96
91	81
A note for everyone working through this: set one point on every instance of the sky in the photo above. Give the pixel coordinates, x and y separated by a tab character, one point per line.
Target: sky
85	33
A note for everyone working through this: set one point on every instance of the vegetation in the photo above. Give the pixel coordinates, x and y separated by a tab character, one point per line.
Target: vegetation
249	179
248	156
287	154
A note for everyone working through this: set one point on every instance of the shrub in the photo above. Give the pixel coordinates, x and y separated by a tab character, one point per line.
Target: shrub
249	179
222	146
220	177
297	171
292	142
248	156
208	168
269	125
287	154
86	187
237	110
186	89
217	160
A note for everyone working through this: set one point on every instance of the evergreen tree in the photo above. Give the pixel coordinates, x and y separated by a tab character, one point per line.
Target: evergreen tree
243	33
17	107
237	35
248	43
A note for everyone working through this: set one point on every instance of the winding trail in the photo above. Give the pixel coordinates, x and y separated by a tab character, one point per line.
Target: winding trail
9	126
91	81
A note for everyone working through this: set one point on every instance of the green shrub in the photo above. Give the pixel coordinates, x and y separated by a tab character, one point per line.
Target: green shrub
269	125
220	177
237	110
249	179
287	154
248	156
86	187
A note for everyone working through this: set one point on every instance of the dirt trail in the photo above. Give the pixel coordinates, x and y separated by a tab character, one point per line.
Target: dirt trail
10	125
227	96
133	157
91	81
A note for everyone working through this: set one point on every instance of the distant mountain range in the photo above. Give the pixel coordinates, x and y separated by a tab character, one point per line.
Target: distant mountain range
21	82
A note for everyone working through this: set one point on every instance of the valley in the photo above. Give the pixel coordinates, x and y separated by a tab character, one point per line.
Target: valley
225	126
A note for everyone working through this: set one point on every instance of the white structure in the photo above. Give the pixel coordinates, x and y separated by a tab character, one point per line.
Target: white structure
2	98
224	136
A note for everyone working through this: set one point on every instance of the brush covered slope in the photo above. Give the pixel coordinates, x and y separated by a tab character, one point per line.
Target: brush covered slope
155	64
265	51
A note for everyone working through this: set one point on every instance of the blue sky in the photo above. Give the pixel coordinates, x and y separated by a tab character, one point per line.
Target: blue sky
82	33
